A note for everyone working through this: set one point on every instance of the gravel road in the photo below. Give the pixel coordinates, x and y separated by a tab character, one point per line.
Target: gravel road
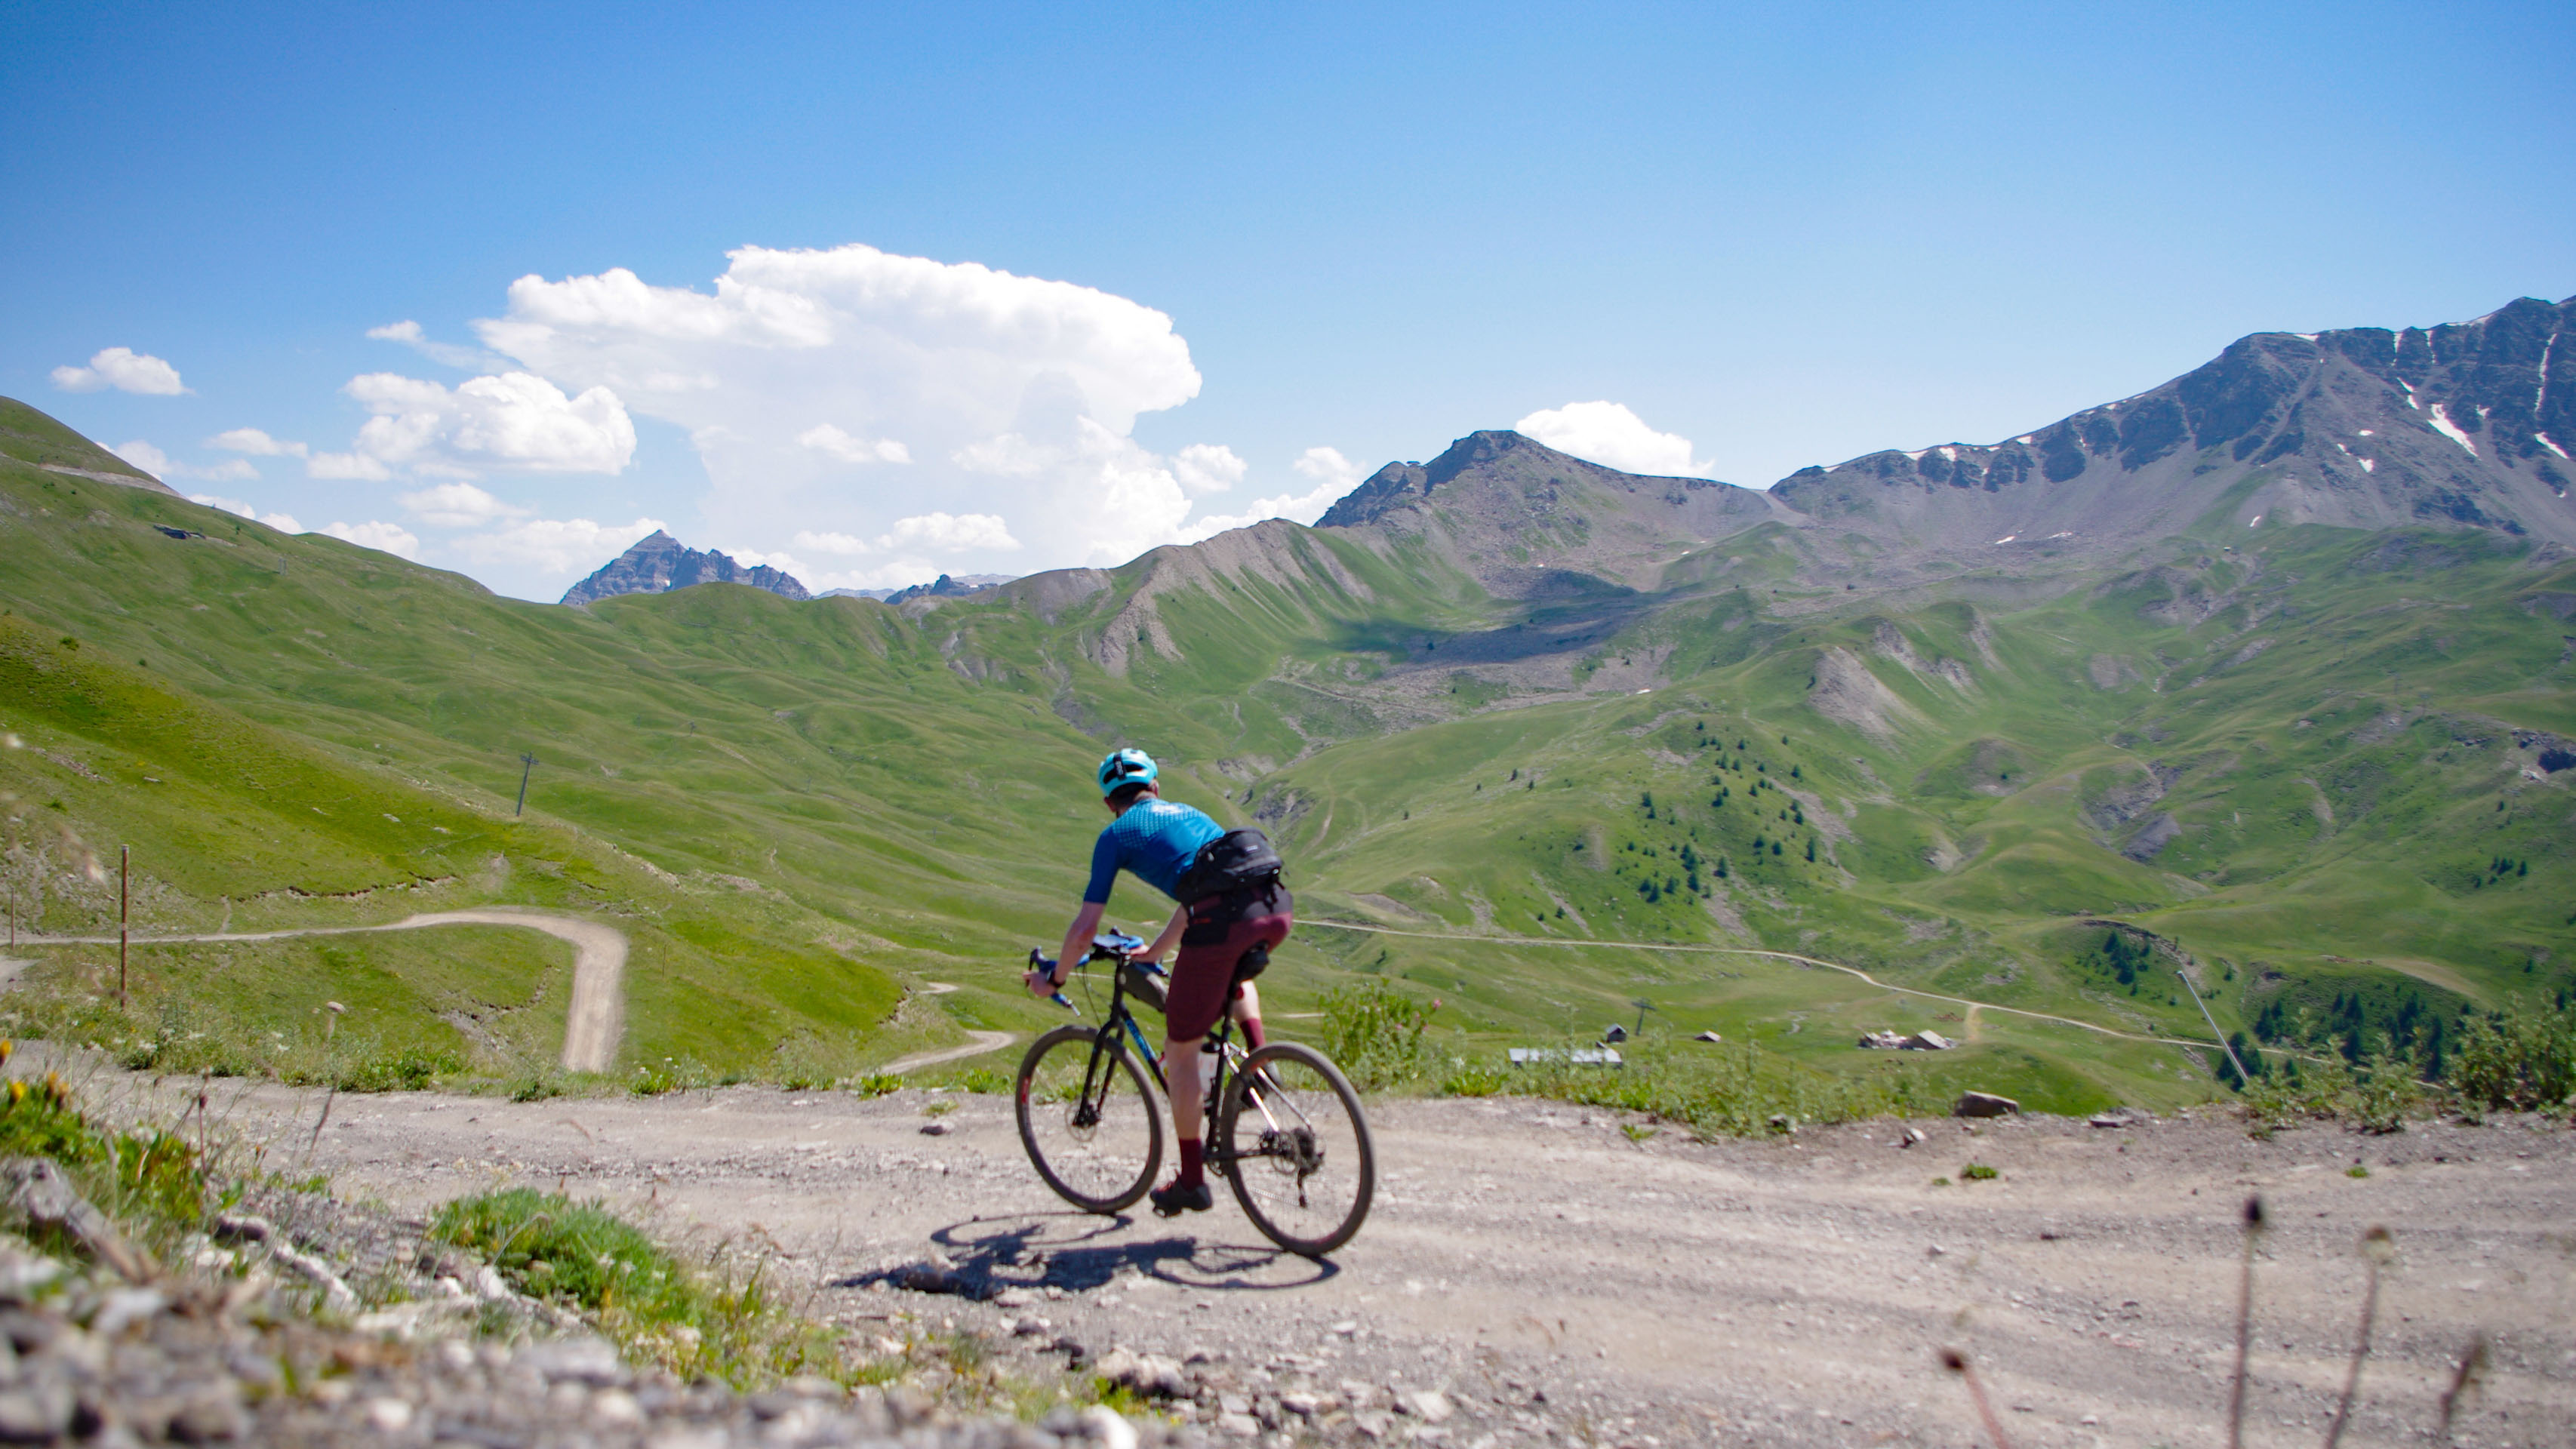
1561	1281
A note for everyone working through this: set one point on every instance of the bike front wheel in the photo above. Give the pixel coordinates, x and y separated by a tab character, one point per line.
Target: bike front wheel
1088	1119
1297	1149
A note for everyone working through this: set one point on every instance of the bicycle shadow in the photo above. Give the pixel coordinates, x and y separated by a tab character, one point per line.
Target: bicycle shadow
1077	1253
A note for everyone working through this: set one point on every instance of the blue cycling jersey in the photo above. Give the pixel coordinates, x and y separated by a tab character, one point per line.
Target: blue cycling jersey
1156	839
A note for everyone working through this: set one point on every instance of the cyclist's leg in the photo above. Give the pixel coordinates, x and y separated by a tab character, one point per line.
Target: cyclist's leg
1266	922
1193	1003
1247	1012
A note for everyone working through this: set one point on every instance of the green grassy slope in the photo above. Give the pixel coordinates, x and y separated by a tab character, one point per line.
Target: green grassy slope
2336	752
2293	759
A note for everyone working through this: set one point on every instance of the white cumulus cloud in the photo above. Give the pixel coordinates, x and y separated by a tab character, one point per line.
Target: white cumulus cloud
458	505
282	522
832	442
256	443
936	532
1208	468
556	545
386	537
1332	474
410	335
951	532
1609	434
124	369
347	467
1013	397
513	420
162	466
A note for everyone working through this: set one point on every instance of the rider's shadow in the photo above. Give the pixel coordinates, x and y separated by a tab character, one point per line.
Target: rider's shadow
1035	1253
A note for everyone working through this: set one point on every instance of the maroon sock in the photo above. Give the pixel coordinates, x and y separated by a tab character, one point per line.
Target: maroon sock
1253	1033
1193	1164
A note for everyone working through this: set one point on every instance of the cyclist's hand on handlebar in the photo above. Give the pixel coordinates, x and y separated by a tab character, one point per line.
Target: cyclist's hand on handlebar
1040	980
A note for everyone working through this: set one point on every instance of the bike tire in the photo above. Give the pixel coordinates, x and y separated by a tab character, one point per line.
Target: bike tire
1297	1149
1103	1167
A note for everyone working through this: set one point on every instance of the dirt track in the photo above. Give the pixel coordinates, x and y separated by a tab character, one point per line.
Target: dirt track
1566	1283
592	1020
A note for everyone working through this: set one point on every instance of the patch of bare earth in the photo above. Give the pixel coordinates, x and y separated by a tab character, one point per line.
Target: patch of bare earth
1559	1281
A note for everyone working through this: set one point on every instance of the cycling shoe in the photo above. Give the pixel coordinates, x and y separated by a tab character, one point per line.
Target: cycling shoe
1171	1202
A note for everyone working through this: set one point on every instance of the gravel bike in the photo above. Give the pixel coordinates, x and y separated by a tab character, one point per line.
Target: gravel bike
1285	1130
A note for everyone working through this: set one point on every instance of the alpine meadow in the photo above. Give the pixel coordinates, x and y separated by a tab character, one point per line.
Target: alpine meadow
2247	701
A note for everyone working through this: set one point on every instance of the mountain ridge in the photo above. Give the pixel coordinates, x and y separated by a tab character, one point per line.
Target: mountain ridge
659	563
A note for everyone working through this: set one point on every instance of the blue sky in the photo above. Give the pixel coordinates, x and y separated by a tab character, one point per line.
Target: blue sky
1252	252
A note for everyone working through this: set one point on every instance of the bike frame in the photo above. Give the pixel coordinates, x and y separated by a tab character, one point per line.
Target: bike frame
1119	1028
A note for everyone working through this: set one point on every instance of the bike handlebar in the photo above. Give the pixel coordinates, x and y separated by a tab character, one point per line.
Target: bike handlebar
1116	946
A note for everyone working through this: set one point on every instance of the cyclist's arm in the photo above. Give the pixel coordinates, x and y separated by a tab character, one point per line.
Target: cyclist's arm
1164	942
1077	937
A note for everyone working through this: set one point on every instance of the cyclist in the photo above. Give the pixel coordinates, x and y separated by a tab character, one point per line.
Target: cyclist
1159	841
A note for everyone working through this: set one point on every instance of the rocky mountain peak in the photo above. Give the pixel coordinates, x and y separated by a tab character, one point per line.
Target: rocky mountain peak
2461	425
660	563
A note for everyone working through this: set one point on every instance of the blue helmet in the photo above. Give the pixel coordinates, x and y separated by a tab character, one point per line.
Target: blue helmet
1129	766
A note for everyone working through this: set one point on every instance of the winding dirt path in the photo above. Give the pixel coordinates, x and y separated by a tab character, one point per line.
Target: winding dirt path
983	1041
593	1020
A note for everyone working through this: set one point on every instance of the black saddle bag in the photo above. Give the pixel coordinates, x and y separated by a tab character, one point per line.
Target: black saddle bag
1238	862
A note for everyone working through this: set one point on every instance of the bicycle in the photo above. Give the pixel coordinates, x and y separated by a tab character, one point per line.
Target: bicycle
1285	1129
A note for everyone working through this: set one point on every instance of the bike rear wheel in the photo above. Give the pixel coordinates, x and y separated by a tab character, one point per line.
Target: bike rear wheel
1297	1149
1088	1120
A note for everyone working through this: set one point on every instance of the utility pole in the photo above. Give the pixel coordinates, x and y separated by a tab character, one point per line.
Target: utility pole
527	763
124	899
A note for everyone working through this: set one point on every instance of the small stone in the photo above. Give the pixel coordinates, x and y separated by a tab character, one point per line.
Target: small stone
1111	1431
35	1413
589	1360
617	1408
1012	1298
1429	1405
1983	1104
1303	1405
211	1413
388	1415
124	1308
1030	1327
1242	1426
934	1129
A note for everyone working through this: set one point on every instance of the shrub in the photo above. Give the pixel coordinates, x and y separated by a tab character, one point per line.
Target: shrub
877	1084
1374	1034
680	1074
411	1069
1978	1172
984	1081
2386	1091
536	1087
2519	1058
2317	1090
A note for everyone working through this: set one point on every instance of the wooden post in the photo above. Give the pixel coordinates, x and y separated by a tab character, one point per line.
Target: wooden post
124	864
527	764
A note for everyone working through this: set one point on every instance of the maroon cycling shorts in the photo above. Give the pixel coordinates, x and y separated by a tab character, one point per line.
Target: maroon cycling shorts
1221	929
